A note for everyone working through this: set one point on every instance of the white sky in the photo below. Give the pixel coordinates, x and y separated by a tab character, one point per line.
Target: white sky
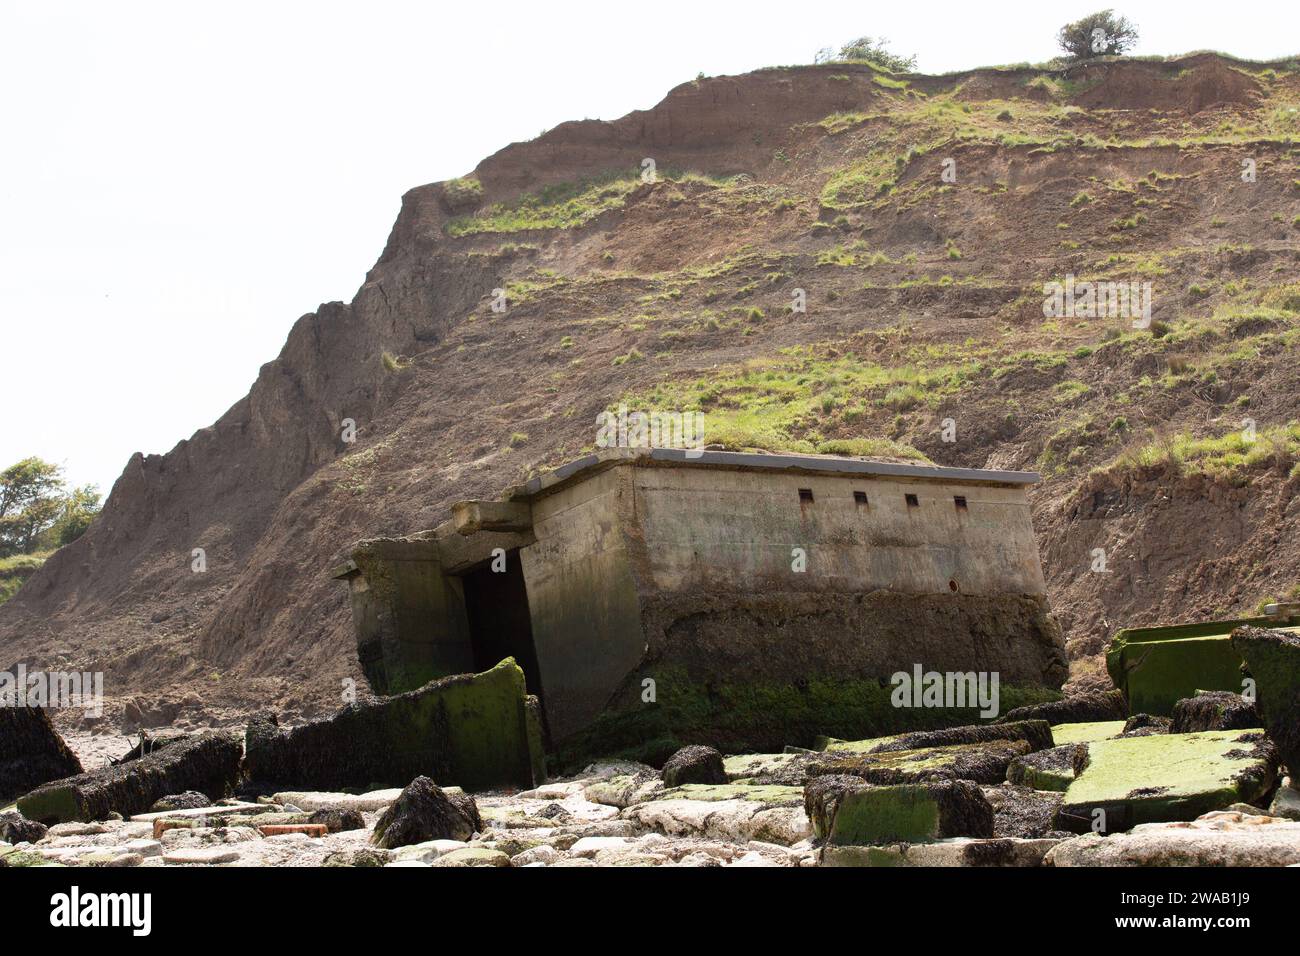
180	181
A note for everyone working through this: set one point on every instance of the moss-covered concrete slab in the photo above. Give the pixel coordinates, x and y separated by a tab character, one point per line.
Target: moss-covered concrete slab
1158	666
1166	777
31	751
1273	657
471	730
1045	769
1086	732
208	763
845	811
958	851
1036	732
984	762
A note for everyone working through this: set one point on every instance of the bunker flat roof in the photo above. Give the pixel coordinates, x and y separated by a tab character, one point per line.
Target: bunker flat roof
748	461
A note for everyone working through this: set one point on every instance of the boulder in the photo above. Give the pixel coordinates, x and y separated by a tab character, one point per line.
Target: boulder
189	800
338	819
1080	708
1286	802
1219	839
694	764
31	752
1273	659
958	851
1213	710
208	763
425	812
472	730
846	811
1165	777
15	828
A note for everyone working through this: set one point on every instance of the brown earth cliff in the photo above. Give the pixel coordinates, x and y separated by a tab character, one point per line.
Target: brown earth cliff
924	303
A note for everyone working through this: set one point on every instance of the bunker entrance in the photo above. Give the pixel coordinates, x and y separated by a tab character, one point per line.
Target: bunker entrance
500	625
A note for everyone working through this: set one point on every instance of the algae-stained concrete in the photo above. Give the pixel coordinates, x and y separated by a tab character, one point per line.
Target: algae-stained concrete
208	763
1166	777
1158	666
846	811
659	583
31	751
1273	656
469	730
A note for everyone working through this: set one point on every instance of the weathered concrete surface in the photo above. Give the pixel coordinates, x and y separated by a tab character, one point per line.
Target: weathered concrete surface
31	752
208	763
1158	666
471	730
848	812
1273	657
652	567
1222	838
1167	777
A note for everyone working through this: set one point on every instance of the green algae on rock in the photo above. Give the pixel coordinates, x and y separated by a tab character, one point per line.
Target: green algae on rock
471	730
1167	777
847	811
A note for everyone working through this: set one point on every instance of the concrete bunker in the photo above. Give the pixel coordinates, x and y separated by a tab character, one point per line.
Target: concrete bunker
663	586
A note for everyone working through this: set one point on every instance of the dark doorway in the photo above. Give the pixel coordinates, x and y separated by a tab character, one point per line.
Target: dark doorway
500	626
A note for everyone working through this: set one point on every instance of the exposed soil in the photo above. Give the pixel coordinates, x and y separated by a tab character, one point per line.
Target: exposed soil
452	400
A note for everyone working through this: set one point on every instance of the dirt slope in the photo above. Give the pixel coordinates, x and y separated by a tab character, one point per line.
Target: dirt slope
924	303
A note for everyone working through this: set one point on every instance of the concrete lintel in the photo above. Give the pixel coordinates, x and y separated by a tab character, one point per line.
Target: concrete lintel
470	517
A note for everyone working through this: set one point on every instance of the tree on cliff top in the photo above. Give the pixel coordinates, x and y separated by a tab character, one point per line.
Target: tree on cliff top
868	50
1098	34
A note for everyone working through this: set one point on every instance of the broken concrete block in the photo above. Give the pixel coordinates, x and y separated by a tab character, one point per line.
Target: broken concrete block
201	855
31	752
1037	733
472	730
1156	667
1086	732
626	790
985	762
311	801
1134	780
1079	708
1219	839
848	812
1021	812
957	851
1213	710
425	812
694	764
1044	770
206	762
1273	658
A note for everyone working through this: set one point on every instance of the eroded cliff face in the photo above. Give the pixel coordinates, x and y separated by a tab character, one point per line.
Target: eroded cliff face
924	304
